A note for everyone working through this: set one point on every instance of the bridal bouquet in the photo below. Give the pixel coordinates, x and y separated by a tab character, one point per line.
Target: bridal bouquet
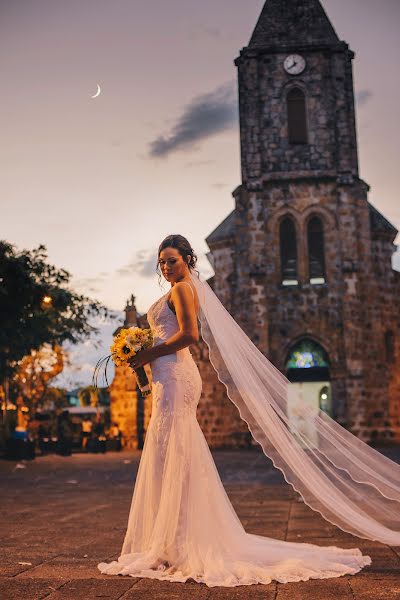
126	344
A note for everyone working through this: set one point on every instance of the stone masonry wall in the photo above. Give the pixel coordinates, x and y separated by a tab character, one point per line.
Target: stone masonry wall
344	315
328	87
218	417
351	312
124	401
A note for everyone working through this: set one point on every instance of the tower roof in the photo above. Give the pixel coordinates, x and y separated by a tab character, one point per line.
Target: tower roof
292	23
379	223
224	230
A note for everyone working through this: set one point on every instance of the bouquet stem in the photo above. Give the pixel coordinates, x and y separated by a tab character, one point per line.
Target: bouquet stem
143	381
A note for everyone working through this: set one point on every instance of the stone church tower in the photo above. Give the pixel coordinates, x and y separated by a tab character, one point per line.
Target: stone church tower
303	262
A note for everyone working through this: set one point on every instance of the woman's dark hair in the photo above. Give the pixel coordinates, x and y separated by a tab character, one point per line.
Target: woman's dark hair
181	244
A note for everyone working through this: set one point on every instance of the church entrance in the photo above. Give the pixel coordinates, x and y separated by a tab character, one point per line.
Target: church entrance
307	368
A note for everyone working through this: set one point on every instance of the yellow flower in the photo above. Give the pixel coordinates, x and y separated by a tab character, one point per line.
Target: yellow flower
128	341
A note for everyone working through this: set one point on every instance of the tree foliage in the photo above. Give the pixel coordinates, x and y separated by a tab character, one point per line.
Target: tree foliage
35	371
38	307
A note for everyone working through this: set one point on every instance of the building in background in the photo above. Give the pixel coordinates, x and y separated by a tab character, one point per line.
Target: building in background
128	408
303	262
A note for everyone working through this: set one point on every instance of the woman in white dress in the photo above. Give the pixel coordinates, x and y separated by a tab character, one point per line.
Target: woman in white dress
182	524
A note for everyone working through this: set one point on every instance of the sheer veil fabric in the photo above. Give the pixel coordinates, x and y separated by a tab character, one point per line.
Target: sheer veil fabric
350	483
181	522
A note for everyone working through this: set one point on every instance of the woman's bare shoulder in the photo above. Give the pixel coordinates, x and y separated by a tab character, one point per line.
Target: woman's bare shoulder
180	285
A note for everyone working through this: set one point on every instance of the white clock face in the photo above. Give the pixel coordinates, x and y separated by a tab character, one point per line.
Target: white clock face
294	64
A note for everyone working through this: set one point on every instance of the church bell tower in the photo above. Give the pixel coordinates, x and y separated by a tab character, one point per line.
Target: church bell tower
303	262
296	97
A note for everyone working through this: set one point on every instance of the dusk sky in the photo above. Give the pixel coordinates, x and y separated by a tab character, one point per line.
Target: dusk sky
101	181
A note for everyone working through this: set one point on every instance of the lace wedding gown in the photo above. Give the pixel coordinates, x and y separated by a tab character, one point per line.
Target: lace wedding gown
182	524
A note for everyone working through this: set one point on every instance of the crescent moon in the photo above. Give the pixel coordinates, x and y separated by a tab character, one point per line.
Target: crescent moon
98	92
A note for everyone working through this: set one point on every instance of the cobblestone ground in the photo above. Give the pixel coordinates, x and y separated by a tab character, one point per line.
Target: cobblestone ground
60	516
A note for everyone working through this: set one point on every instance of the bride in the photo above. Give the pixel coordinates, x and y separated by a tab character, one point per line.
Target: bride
181	522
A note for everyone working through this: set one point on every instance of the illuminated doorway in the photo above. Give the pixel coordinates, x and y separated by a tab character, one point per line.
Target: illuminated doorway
307	368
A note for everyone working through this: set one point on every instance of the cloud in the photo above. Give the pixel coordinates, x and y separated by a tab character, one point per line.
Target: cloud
143	263
203	117
212	32
86	285
82	357
206	33
218	186
363	96
198	163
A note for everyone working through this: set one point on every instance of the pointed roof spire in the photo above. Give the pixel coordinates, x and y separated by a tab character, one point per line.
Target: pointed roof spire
291	23
131	316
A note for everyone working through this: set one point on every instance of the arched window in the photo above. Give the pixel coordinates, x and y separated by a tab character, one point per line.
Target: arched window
288	247
307	361
316	258
297	118
389	347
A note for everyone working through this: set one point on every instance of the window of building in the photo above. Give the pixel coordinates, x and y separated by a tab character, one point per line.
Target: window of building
307	361
316	255
297	117
389	347
288	248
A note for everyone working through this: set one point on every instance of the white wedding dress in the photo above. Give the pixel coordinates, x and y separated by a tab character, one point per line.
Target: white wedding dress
182	524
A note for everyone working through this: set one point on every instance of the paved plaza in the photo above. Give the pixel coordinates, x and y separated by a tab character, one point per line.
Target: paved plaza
60	516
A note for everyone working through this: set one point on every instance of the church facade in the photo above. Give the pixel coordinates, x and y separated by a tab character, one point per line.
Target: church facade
303	262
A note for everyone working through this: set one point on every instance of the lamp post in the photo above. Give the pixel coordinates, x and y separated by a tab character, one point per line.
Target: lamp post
47	302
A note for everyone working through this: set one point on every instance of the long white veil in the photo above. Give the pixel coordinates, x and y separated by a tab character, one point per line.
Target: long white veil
348	482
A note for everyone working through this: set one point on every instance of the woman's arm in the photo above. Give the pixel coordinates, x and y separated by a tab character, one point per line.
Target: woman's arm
183	301
185	310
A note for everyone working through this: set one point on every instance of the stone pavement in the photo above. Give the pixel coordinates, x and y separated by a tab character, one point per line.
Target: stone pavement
60	516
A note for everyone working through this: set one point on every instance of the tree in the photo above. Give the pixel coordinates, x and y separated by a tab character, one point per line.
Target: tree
34	373
37	307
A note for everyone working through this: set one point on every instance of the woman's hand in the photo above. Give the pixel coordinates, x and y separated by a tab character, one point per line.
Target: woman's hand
141	358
